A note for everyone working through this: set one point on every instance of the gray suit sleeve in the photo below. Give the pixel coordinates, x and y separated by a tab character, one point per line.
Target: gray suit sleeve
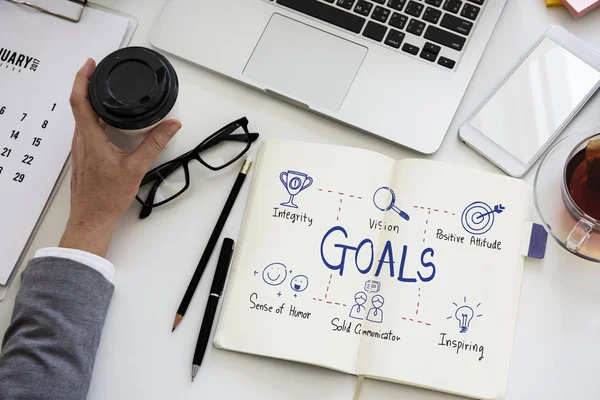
50	346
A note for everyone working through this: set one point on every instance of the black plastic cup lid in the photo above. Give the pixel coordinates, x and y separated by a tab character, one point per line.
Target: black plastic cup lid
133	88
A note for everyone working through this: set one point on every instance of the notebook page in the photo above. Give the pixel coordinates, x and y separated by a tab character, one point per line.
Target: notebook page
453	301
39	56
286	295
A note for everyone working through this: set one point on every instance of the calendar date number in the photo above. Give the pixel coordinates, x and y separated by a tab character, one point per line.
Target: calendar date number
19	177
27	159
25	118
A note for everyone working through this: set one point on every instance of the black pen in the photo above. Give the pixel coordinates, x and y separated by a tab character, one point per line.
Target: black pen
213	301
212	242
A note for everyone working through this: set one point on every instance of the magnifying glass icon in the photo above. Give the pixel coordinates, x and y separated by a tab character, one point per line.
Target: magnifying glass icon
384	199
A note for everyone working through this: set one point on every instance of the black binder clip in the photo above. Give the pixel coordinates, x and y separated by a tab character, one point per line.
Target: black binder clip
76	6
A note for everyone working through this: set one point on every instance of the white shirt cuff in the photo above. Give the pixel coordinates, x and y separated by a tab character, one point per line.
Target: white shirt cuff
93	261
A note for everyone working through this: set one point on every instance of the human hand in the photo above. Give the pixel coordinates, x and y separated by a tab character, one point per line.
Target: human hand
104	179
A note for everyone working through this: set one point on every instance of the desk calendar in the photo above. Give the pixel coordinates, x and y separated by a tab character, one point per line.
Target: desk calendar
39	57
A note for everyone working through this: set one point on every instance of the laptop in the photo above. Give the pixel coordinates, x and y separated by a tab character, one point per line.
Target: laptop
397	69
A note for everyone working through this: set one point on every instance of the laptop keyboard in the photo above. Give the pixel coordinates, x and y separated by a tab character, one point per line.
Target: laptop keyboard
435	31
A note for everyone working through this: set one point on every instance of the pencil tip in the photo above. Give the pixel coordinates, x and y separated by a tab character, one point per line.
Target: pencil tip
178	318
194	371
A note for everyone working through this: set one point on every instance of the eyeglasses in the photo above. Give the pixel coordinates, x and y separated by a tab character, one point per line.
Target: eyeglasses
169	180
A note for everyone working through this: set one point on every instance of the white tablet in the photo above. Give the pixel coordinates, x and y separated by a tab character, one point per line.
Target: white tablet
533	104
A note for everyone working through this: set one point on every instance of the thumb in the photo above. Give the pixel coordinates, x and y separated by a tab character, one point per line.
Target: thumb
157	139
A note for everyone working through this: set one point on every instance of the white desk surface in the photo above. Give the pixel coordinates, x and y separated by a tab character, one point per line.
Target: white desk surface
555	354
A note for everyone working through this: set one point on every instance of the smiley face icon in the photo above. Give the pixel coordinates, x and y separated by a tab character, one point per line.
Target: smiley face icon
274	274
299	283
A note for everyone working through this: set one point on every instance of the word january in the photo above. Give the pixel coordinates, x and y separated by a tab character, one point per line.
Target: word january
474	241
365	251
293	217
14	58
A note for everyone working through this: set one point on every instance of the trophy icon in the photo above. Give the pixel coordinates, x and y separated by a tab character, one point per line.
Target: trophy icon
294	182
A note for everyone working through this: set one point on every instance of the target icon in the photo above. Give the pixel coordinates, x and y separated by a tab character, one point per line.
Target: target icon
478	217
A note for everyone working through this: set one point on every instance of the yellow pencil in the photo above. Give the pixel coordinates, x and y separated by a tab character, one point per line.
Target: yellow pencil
554	3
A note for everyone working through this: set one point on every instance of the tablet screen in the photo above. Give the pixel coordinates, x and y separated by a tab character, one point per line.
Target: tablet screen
536	100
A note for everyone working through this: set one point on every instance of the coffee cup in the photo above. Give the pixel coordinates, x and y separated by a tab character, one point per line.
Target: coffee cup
134	89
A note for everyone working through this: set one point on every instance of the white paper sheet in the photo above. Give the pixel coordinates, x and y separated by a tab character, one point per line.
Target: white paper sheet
39	56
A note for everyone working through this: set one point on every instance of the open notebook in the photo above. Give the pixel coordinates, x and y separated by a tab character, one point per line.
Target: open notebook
39	56
407	271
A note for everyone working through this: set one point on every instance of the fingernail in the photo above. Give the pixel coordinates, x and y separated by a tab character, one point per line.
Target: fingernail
88	62
173	128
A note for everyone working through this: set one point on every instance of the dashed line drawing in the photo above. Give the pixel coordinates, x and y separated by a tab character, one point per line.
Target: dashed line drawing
330	302
342	195
328	284
324	299
416	321
429	211
435	210
426	223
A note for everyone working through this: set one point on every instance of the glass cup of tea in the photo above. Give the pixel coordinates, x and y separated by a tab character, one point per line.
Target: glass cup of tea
567	194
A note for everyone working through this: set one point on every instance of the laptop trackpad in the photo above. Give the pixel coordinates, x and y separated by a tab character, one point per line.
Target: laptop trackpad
298	60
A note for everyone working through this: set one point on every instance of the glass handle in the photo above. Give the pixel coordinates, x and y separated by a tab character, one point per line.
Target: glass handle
579	235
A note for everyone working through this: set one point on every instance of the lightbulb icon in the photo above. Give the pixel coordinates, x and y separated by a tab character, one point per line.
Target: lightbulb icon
464	315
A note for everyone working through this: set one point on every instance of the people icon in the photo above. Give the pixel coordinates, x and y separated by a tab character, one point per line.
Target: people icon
375	314
358	309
